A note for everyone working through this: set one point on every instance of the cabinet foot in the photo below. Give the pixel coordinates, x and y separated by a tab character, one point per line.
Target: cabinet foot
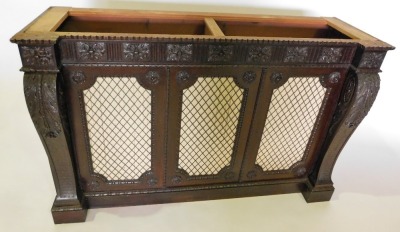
68	214
317	193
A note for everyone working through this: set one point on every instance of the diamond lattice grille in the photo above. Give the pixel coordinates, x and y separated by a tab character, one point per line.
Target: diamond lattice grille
292	113
119	124
210	115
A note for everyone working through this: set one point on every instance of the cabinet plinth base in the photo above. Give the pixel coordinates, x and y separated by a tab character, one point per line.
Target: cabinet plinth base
68	214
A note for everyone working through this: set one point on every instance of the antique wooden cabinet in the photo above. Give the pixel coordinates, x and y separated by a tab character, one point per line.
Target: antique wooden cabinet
154	107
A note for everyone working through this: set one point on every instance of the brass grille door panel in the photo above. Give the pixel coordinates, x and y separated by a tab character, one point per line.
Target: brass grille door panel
121	135
289	115
206	130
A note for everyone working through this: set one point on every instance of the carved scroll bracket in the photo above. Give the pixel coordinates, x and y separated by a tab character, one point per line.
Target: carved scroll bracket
358	95
41	99
367	90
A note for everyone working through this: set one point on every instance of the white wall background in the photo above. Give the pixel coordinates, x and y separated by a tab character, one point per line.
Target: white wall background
367	175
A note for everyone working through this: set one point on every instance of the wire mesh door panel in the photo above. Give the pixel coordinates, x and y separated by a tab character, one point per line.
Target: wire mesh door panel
292	115
209	114
119	126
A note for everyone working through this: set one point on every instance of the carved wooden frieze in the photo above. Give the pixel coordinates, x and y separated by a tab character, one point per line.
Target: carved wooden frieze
91	51
198	52
136	51
220	53
330	55
179	52
41	98
372	60
259	54
296	54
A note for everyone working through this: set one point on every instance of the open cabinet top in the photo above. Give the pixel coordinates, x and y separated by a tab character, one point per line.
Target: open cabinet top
64	22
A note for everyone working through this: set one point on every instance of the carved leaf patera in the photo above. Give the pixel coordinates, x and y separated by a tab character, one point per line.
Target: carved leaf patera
136	51
296	54
330	55
218	53
179	52
372	59
259	53
91	50
41	56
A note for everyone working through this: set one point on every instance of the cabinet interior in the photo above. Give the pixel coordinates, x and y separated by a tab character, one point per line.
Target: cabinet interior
269	27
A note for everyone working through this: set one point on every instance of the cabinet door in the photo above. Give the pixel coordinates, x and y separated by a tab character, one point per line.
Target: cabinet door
292	114
118	118
210	109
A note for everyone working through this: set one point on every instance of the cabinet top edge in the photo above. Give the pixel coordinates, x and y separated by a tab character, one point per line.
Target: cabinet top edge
44	29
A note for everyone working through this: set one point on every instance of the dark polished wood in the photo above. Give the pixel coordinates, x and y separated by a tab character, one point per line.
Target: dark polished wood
66	51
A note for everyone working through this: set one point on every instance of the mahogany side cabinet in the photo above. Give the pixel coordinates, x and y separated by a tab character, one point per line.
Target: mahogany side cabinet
136	107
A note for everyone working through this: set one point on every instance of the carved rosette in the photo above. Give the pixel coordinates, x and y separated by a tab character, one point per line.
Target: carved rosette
136	51
276	78
298	169
91	51
259	54
296	54
93	185
176	179
249	77
182	77
251	174
37	56
41	98
78	77
372	59
330	55
220	53
153	78
331	79
179	52
367	90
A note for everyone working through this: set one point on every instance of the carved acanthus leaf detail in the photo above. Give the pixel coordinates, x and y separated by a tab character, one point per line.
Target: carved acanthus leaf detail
179	52
296	54
136	51
41	98
218	53
367	90
93	51
41	56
